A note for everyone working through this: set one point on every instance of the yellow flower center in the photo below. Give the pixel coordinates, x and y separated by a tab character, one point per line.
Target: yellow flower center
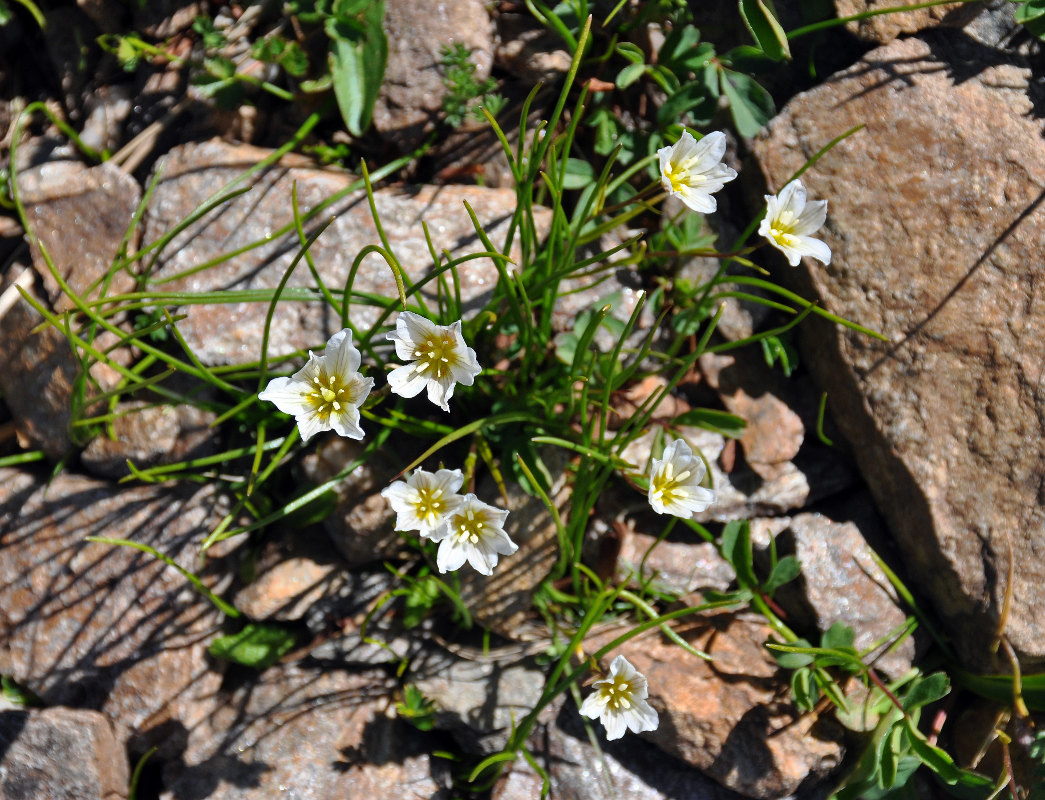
666	484
430	503
468	527
617	694
678	175
781	229
435	355
328	394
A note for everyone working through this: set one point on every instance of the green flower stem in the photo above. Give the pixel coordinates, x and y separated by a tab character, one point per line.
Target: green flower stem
831	23
221	605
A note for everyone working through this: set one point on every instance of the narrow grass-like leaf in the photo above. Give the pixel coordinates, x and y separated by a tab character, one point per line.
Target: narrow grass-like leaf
221	605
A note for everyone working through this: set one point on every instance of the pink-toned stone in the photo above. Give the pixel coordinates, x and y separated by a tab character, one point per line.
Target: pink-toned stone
883	28
80	215
727	717
148	435
232	332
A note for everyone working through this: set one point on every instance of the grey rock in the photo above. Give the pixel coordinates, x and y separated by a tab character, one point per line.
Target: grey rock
107	627
996	25
37	375
361	524
411	96
528	51
503	601
480	700
60	754
678	567
626	768
937	234
840	582
740	492
304	734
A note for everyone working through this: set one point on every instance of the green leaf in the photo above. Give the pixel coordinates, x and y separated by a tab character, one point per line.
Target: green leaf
793	660
631	73
1029	11
890	750
221	68
838	637
694	100
258	645
721	422
579	173
13	692
5	13
421	596
358	67
765	28
632	52
927	690
750	104
683	49
803	689
784	571
1000	688
1032	16
294	60
268	48
736	549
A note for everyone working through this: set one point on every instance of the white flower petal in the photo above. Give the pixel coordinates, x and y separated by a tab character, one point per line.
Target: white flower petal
811	218
790	222
450	557
674	483
692	170
643	717
615	724
437	357
405	381
593	705
287	394
325	394
309	424
341	355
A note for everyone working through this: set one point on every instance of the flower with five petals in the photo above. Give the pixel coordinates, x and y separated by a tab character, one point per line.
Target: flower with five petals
692	170
674	483
473	532
791	221
619	701
326	393
439	359
424	501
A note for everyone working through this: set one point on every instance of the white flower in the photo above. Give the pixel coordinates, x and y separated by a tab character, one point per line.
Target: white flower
791	221
474	532
326	393
619	701
424	501
438	358
693	171
674	483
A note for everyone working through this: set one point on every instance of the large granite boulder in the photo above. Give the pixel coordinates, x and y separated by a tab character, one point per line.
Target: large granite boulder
935	223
